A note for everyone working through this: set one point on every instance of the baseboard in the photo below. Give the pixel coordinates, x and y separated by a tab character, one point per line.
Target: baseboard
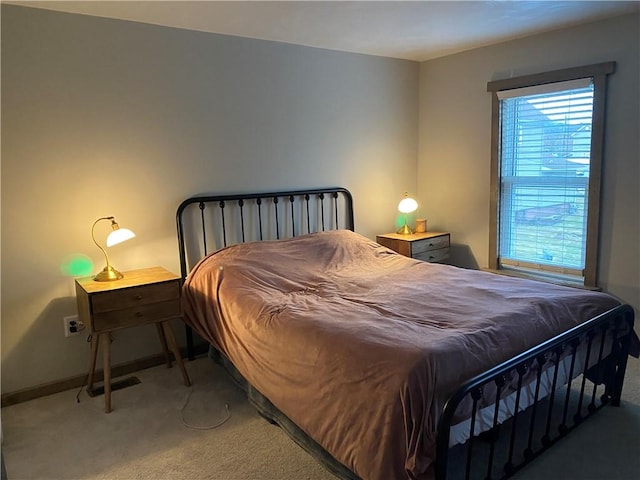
77	381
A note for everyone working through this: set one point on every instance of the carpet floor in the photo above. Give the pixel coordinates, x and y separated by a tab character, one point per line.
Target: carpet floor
145	436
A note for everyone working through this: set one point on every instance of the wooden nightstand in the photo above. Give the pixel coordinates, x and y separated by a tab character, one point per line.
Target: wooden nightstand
428	246
150	295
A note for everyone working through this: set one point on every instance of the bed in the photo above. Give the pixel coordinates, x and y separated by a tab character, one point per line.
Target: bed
386	367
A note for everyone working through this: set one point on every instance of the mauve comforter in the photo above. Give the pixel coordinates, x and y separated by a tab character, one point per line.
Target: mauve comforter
360	346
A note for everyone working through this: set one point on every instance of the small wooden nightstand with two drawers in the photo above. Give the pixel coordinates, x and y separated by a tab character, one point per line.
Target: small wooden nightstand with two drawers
150	295
427	246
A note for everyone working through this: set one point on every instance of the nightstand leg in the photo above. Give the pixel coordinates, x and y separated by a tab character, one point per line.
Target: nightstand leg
106	360
171	340
95	340
163	341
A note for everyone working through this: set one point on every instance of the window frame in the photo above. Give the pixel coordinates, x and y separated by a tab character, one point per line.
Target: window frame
598	73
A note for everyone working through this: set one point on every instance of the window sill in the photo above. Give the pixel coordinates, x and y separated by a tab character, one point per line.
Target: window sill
547	278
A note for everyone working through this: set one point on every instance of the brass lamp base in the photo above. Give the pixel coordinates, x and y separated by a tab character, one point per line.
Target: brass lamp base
405	230
109	274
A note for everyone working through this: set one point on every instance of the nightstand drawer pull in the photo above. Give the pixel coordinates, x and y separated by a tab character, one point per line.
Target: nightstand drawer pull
139	314
138	297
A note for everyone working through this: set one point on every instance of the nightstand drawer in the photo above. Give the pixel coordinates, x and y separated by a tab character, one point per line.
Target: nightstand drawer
134	296
429	244
425	246
435	256
137	315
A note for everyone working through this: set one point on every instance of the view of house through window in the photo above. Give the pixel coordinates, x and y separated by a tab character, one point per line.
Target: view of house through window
547	144
544	163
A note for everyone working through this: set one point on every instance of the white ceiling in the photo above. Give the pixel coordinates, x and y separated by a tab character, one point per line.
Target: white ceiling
414	30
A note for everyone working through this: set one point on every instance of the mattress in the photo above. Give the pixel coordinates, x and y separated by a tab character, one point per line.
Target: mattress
359	346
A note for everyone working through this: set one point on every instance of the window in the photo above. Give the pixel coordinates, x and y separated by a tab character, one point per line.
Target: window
547	138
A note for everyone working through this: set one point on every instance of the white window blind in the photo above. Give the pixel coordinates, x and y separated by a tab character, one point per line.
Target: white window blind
544	164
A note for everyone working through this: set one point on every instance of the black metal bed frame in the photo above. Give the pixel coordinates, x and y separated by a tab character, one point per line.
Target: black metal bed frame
597	349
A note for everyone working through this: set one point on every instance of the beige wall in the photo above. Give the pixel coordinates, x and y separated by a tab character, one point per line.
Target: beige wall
455	120
106	117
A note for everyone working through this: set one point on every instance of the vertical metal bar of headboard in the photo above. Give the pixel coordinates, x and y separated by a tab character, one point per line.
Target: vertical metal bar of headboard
321	196
224	228
241	205
275	208
259	203
293	220
188	331
335	204
204	230
306	197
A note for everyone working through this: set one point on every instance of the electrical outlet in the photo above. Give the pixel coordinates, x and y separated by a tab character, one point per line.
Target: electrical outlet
72	326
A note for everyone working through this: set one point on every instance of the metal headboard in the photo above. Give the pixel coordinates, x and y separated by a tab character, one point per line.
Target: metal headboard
209	222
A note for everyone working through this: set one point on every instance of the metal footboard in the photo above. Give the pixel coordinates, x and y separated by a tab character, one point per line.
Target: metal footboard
595	354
